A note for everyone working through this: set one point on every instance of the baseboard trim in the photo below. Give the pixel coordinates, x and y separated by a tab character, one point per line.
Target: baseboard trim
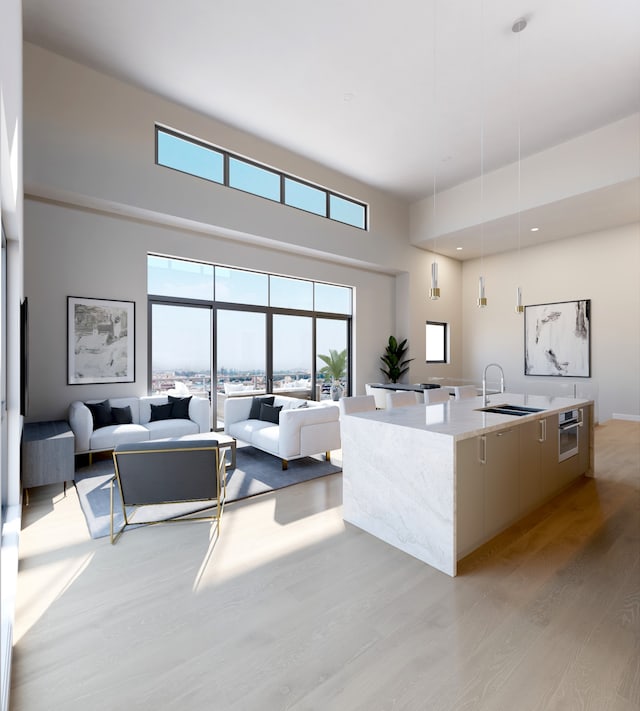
621	416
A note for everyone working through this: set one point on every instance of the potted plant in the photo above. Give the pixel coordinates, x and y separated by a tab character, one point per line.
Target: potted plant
335	368
394	360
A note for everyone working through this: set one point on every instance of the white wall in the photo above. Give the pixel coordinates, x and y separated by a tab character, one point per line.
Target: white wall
11	210
603	267
90	147
73	252
91	138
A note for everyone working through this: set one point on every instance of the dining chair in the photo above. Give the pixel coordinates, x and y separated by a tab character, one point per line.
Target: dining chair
463	391
380	395
357	403
402	398
436	395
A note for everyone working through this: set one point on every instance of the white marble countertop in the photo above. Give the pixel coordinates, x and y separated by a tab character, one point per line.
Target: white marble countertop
461	419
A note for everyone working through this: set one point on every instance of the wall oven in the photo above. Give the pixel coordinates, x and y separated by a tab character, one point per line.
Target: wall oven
569	424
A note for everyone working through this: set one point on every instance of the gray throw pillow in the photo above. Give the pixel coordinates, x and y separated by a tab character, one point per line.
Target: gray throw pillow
101	413
269	413
179	407
121	415
256	404
161	412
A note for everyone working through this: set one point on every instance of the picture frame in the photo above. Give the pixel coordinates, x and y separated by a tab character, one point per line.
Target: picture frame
100	341
557	339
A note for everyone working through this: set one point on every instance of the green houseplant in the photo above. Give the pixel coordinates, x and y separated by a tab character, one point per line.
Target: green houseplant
335	368
394	360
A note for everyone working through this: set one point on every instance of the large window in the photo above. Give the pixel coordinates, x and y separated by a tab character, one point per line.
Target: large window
195	157
223	332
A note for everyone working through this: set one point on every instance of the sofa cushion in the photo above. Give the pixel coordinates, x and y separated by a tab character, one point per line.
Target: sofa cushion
108	437
270	413
121	415
245	429
171	428
179	407
267	438
160	412
101	413
256	404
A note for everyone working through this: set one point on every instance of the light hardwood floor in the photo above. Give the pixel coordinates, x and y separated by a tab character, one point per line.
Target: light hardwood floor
294	609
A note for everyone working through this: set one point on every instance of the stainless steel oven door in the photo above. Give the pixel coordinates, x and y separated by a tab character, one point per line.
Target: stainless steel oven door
568	439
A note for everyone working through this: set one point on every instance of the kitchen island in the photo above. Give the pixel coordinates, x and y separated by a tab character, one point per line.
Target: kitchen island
437	481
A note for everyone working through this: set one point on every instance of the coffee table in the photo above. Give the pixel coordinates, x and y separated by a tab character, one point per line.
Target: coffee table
224	442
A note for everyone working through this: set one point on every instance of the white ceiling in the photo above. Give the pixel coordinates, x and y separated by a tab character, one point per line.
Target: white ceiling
350	83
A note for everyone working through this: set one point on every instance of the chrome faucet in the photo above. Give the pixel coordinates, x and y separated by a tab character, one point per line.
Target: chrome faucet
485	397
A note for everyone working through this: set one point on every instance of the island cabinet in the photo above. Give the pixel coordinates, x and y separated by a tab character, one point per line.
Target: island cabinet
538	461
487	486
437	481
505	474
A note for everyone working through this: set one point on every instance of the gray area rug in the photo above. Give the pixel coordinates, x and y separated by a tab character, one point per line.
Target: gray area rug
256	473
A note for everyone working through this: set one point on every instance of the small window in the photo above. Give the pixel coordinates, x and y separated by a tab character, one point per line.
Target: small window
436	345
332	299
253	179
238	286
189	157
347	211
288	293
305	197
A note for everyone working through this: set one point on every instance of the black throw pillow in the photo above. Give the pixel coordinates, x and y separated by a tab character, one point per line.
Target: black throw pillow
161	412
179	407
256	404
269	413
121	415
101	413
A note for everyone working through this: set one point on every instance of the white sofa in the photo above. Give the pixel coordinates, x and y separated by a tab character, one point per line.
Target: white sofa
305	427
141	429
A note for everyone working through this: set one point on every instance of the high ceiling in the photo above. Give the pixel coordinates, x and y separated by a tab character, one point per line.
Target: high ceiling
396	94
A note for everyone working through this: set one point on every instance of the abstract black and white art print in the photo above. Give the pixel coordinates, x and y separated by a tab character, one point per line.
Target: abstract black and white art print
557	339
100	341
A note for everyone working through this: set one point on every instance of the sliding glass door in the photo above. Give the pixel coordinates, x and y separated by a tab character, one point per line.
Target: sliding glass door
241	356
222	332
332	356
292	353
181	338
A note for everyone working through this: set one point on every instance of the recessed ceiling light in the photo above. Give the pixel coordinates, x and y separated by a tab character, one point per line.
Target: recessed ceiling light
458	249
535	229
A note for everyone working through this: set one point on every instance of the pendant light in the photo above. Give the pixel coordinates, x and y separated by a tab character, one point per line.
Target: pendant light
517	27
434	291
482	298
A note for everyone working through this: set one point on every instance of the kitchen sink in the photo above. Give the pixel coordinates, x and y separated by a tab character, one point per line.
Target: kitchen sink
505	409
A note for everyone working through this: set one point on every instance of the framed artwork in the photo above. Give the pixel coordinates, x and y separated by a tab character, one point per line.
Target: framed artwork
100	341
557	339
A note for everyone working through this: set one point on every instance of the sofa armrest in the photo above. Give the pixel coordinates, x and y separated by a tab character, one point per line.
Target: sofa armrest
81	423
236	409
293	421
199	413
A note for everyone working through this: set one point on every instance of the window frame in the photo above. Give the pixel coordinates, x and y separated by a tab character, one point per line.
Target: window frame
445	341
228	156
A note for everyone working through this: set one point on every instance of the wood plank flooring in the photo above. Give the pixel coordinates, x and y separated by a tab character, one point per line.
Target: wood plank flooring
294	609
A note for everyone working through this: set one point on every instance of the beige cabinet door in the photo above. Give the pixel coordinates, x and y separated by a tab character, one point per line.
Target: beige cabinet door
531	434
501	480
549	459
469	495
584	441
